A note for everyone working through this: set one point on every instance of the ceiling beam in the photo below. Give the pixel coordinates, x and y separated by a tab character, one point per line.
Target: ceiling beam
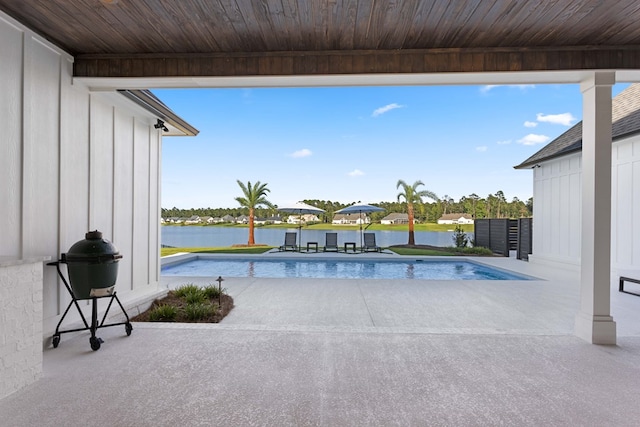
358	62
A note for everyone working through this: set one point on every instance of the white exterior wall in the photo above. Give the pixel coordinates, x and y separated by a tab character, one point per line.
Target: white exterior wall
557	212
625	227
556	216
73	161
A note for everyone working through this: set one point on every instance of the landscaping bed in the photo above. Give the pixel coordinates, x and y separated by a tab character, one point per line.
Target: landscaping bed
189	304
439	251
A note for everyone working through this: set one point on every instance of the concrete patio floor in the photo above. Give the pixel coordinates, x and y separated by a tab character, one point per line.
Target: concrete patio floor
312	352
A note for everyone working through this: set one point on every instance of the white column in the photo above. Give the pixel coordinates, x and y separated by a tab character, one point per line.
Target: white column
594	322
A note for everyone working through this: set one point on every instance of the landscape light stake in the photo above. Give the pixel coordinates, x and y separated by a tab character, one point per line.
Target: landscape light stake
220	280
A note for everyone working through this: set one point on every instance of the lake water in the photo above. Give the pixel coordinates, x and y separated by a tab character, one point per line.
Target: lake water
179	236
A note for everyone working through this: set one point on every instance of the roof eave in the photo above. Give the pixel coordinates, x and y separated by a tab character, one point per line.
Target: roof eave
533	163
151	103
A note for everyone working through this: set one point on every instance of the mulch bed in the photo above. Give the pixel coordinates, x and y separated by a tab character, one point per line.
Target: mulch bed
226	305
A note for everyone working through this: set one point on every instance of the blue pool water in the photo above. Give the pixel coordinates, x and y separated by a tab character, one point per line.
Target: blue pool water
362	269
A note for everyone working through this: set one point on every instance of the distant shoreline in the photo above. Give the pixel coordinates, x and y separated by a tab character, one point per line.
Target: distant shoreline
321	226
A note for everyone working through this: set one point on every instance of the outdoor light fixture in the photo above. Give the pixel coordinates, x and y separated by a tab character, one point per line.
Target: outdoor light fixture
220	280
160	125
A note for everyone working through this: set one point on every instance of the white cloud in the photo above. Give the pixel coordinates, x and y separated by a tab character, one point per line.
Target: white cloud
565	119
301	153
487	88
533	139
505	142
529	124
379	111
482	148
356	172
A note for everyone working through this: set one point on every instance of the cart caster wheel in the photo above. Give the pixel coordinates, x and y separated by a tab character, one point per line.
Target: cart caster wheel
56	341
128	328
95	343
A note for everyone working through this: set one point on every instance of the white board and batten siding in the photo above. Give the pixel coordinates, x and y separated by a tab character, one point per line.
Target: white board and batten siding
557	207
625	214
72	160
557	212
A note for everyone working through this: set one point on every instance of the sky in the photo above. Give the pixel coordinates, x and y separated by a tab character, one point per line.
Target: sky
353	144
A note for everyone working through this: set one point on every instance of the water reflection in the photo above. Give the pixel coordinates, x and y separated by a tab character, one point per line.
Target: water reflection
410	272
290	268
251	269
331	268
369	270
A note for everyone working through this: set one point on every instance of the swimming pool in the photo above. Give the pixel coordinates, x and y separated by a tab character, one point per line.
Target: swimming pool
340	269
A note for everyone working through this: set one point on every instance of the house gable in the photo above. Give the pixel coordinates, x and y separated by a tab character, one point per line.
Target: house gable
625	116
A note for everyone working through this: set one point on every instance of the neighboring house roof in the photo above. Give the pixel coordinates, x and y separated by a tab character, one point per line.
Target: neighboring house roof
455	216
625	122
396	216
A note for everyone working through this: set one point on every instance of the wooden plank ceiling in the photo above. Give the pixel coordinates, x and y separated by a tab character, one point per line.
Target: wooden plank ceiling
146	38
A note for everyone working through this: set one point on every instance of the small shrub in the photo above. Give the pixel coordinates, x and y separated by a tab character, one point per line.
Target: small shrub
163	313
460	238
184	290
477	250
212	291
199	311
195	297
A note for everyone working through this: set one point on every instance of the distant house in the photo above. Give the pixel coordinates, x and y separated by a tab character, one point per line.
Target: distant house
350	219
455	218
268	220
194	219
395	218
297	219
274	220
206	220
242	219
216	220
228	218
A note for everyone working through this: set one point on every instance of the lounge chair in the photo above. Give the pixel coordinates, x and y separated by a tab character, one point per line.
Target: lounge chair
290	239
331	242
370	243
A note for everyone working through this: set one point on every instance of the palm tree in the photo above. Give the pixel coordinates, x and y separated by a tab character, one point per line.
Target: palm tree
253	197
411	195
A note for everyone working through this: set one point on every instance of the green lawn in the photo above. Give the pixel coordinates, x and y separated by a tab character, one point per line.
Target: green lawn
448	251
421	252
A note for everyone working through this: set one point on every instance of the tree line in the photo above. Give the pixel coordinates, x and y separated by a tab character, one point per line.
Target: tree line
491	206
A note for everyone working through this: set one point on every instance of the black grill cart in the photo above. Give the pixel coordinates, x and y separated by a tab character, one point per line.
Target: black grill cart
92	267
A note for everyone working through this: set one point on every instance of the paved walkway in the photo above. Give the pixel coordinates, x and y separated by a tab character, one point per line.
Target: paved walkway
352	352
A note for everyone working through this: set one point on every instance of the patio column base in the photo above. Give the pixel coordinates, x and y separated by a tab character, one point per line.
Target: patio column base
596	329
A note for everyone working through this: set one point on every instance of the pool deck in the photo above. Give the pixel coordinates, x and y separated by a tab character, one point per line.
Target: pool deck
340	352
